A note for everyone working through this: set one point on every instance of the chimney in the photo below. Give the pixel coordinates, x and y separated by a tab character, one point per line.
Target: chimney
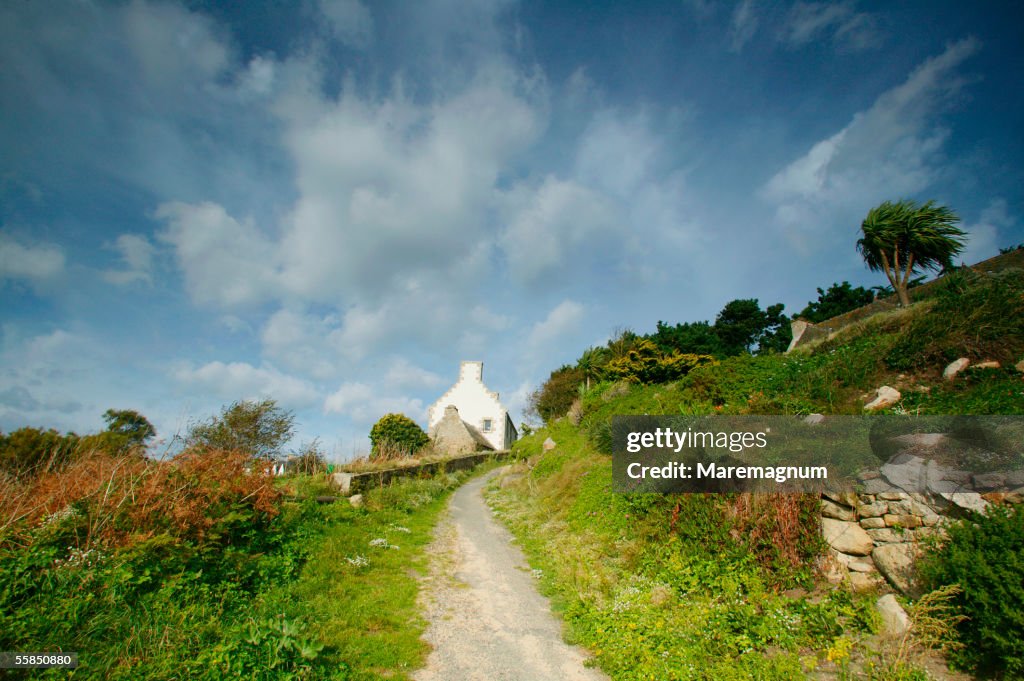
471	371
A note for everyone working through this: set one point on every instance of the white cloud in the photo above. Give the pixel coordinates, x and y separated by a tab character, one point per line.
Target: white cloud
137	253
225	261
891	150
35	262
743	25
984	236
814	21
563	223
241	380
404	375
393	189
350	21
563	320
364	404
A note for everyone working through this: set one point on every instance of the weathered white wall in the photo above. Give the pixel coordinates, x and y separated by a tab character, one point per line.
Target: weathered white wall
475	403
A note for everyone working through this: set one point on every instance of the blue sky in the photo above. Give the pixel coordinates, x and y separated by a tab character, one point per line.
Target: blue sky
331	203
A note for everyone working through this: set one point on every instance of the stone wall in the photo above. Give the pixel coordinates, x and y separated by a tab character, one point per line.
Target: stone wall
874	536
357	483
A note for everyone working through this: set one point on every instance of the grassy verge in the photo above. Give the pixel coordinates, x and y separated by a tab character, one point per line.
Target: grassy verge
660	593
199	569
357	593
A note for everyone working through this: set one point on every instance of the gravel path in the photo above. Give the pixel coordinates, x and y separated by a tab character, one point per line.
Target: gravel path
486	619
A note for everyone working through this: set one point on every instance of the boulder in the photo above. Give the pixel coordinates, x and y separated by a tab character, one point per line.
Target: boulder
548	445
895	621
969	501
846	537
988	481
814	419
885	396
896	563
989	364
1019	366
907	472
356	500
955	367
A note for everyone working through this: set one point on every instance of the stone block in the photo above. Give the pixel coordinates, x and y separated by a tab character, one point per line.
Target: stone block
875	510
846	537
830	509
872	523
888	535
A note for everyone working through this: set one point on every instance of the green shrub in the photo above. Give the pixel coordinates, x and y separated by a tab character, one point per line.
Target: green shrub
554	398
985	557
646	363
397	431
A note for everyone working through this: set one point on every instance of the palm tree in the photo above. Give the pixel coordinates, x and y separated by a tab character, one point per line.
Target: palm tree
591	363
902	237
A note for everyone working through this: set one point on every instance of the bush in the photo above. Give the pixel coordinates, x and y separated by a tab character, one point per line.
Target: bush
259	429
396	431
985	557
554	398
645	363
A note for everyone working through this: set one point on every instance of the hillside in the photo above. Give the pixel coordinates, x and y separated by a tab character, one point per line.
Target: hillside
727	586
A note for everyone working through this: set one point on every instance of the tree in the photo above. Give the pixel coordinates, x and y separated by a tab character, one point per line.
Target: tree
397	432
689	337
259	428
903	237
742	325
128	428
31	449
554	398
839	298
591	362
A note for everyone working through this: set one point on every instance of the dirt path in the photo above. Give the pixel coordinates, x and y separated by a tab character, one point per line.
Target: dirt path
487	620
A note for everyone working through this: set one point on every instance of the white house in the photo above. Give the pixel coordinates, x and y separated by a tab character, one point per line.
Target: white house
477	406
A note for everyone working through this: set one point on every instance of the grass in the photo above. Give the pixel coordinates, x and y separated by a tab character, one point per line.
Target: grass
646	599
705	587
356	594
200	570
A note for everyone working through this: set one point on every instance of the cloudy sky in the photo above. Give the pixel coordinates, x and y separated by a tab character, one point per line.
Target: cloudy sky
331	203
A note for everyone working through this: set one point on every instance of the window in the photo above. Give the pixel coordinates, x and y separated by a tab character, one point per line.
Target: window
487	425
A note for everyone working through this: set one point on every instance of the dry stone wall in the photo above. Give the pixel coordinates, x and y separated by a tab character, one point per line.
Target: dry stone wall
874	536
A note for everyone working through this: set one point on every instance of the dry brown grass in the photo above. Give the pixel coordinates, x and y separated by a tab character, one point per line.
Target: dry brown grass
779	528
393	456
125	497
